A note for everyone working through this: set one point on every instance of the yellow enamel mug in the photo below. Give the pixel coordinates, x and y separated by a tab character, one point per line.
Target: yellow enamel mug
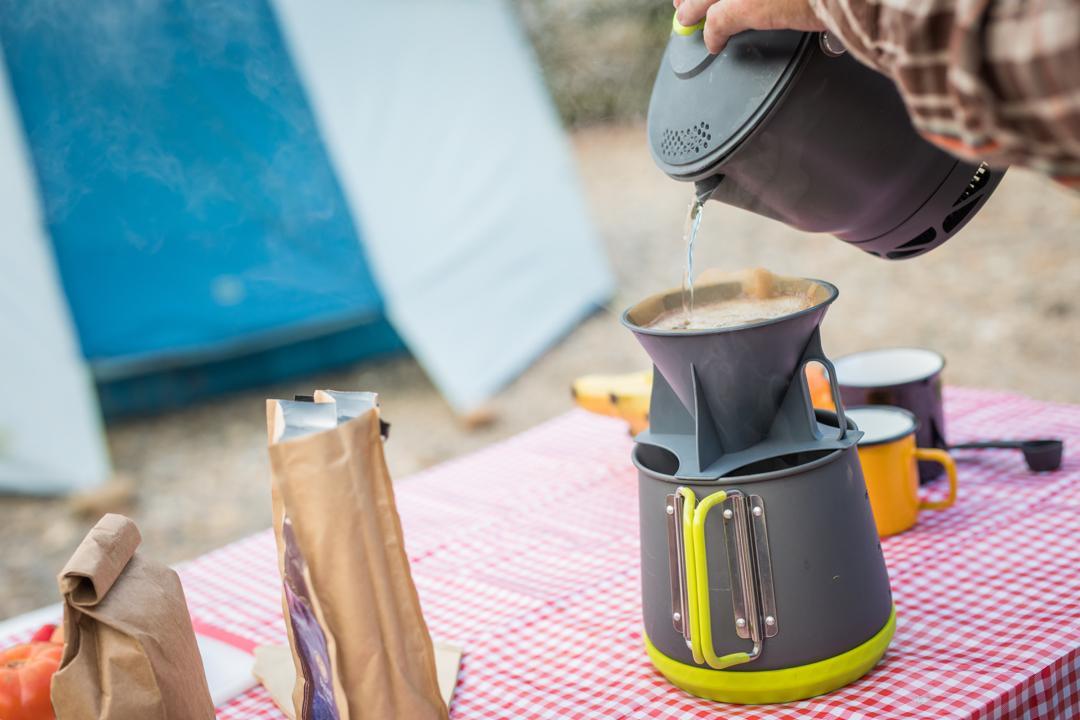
889	456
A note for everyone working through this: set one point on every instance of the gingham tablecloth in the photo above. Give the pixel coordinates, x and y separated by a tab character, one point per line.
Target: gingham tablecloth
526	554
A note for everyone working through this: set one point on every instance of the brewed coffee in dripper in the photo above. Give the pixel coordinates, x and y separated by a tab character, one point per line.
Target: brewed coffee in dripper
730	300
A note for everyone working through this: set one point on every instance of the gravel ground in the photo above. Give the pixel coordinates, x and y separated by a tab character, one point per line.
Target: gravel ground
1000	301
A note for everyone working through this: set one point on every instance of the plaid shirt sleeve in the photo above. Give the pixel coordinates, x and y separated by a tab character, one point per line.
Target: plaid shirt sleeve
989	80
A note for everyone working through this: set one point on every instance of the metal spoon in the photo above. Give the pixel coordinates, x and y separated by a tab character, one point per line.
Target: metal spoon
1040	455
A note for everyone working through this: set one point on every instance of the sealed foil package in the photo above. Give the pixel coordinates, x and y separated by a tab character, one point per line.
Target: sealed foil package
359	642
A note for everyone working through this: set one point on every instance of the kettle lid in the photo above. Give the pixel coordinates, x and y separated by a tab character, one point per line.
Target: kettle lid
703	106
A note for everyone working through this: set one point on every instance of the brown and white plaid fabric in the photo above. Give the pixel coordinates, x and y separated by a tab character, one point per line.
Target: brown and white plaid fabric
990	80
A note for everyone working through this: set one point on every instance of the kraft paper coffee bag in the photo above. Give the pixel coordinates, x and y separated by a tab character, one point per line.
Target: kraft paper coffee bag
360	646
129	649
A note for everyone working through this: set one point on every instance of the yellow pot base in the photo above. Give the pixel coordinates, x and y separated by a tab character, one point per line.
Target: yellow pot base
776	686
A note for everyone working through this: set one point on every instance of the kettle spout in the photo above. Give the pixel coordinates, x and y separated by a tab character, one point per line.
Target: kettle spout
704	189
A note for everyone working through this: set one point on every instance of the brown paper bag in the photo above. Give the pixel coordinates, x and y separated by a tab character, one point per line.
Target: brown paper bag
129	648
359	642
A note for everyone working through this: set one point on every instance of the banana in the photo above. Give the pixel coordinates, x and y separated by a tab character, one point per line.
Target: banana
622	396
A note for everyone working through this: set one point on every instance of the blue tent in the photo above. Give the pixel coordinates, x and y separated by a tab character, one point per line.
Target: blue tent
198	227
215	227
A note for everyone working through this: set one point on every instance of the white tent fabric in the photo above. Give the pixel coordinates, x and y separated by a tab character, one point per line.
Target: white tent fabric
459	175
50	429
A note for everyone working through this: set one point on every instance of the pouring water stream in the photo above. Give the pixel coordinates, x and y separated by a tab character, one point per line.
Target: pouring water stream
703	190
690	231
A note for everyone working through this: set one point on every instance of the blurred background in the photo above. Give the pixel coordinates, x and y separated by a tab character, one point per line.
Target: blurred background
209	203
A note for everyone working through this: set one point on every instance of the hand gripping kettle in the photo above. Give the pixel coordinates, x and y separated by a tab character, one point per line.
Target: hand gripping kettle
788	125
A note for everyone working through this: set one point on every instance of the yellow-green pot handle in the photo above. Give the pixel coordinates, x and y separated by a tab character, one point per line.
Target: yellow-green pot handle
697	582
689	504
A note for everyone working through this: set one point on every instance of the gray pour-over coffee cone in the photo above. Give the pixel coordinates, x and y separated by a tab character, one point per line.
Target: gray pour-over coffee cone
727	386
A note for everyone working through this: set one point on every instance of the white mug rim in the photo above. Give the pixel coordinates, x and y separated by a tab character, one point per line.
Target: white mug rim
867	440
895	381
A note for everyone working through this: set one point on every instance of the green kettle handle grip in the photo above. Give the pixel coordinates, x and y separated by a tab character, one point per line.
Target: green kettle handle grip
679	29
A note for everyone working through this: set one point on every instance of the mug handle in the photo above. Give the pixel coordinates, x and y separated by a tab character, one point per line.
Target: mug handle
945	460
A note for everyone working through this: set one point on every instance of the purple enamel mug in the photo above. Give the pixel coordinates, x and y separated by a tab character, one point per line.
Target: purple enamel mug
909	378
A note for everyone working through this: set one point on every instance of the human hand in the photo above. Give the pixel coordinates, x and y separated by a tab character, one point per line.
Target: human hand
724	18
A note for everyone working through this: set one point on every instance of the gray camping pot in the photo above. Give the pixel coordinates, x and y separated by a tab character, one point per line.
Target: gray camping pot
790	565
787	125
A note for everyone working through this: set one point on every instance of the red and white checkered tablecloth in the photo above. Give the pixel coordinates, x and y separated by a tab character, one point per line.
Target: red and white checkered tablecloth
526	554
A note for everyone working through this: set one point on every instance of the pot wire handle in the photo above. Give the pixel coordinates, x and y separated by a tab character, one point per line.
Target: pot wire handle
700	609
689	504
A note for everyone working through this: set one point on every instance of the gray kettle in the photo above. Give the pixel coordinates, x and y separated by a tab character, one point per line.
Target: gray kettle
788	125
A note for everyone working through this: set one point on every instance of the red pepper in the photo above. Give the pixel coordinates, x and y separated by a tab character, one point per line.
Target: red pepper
44	633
